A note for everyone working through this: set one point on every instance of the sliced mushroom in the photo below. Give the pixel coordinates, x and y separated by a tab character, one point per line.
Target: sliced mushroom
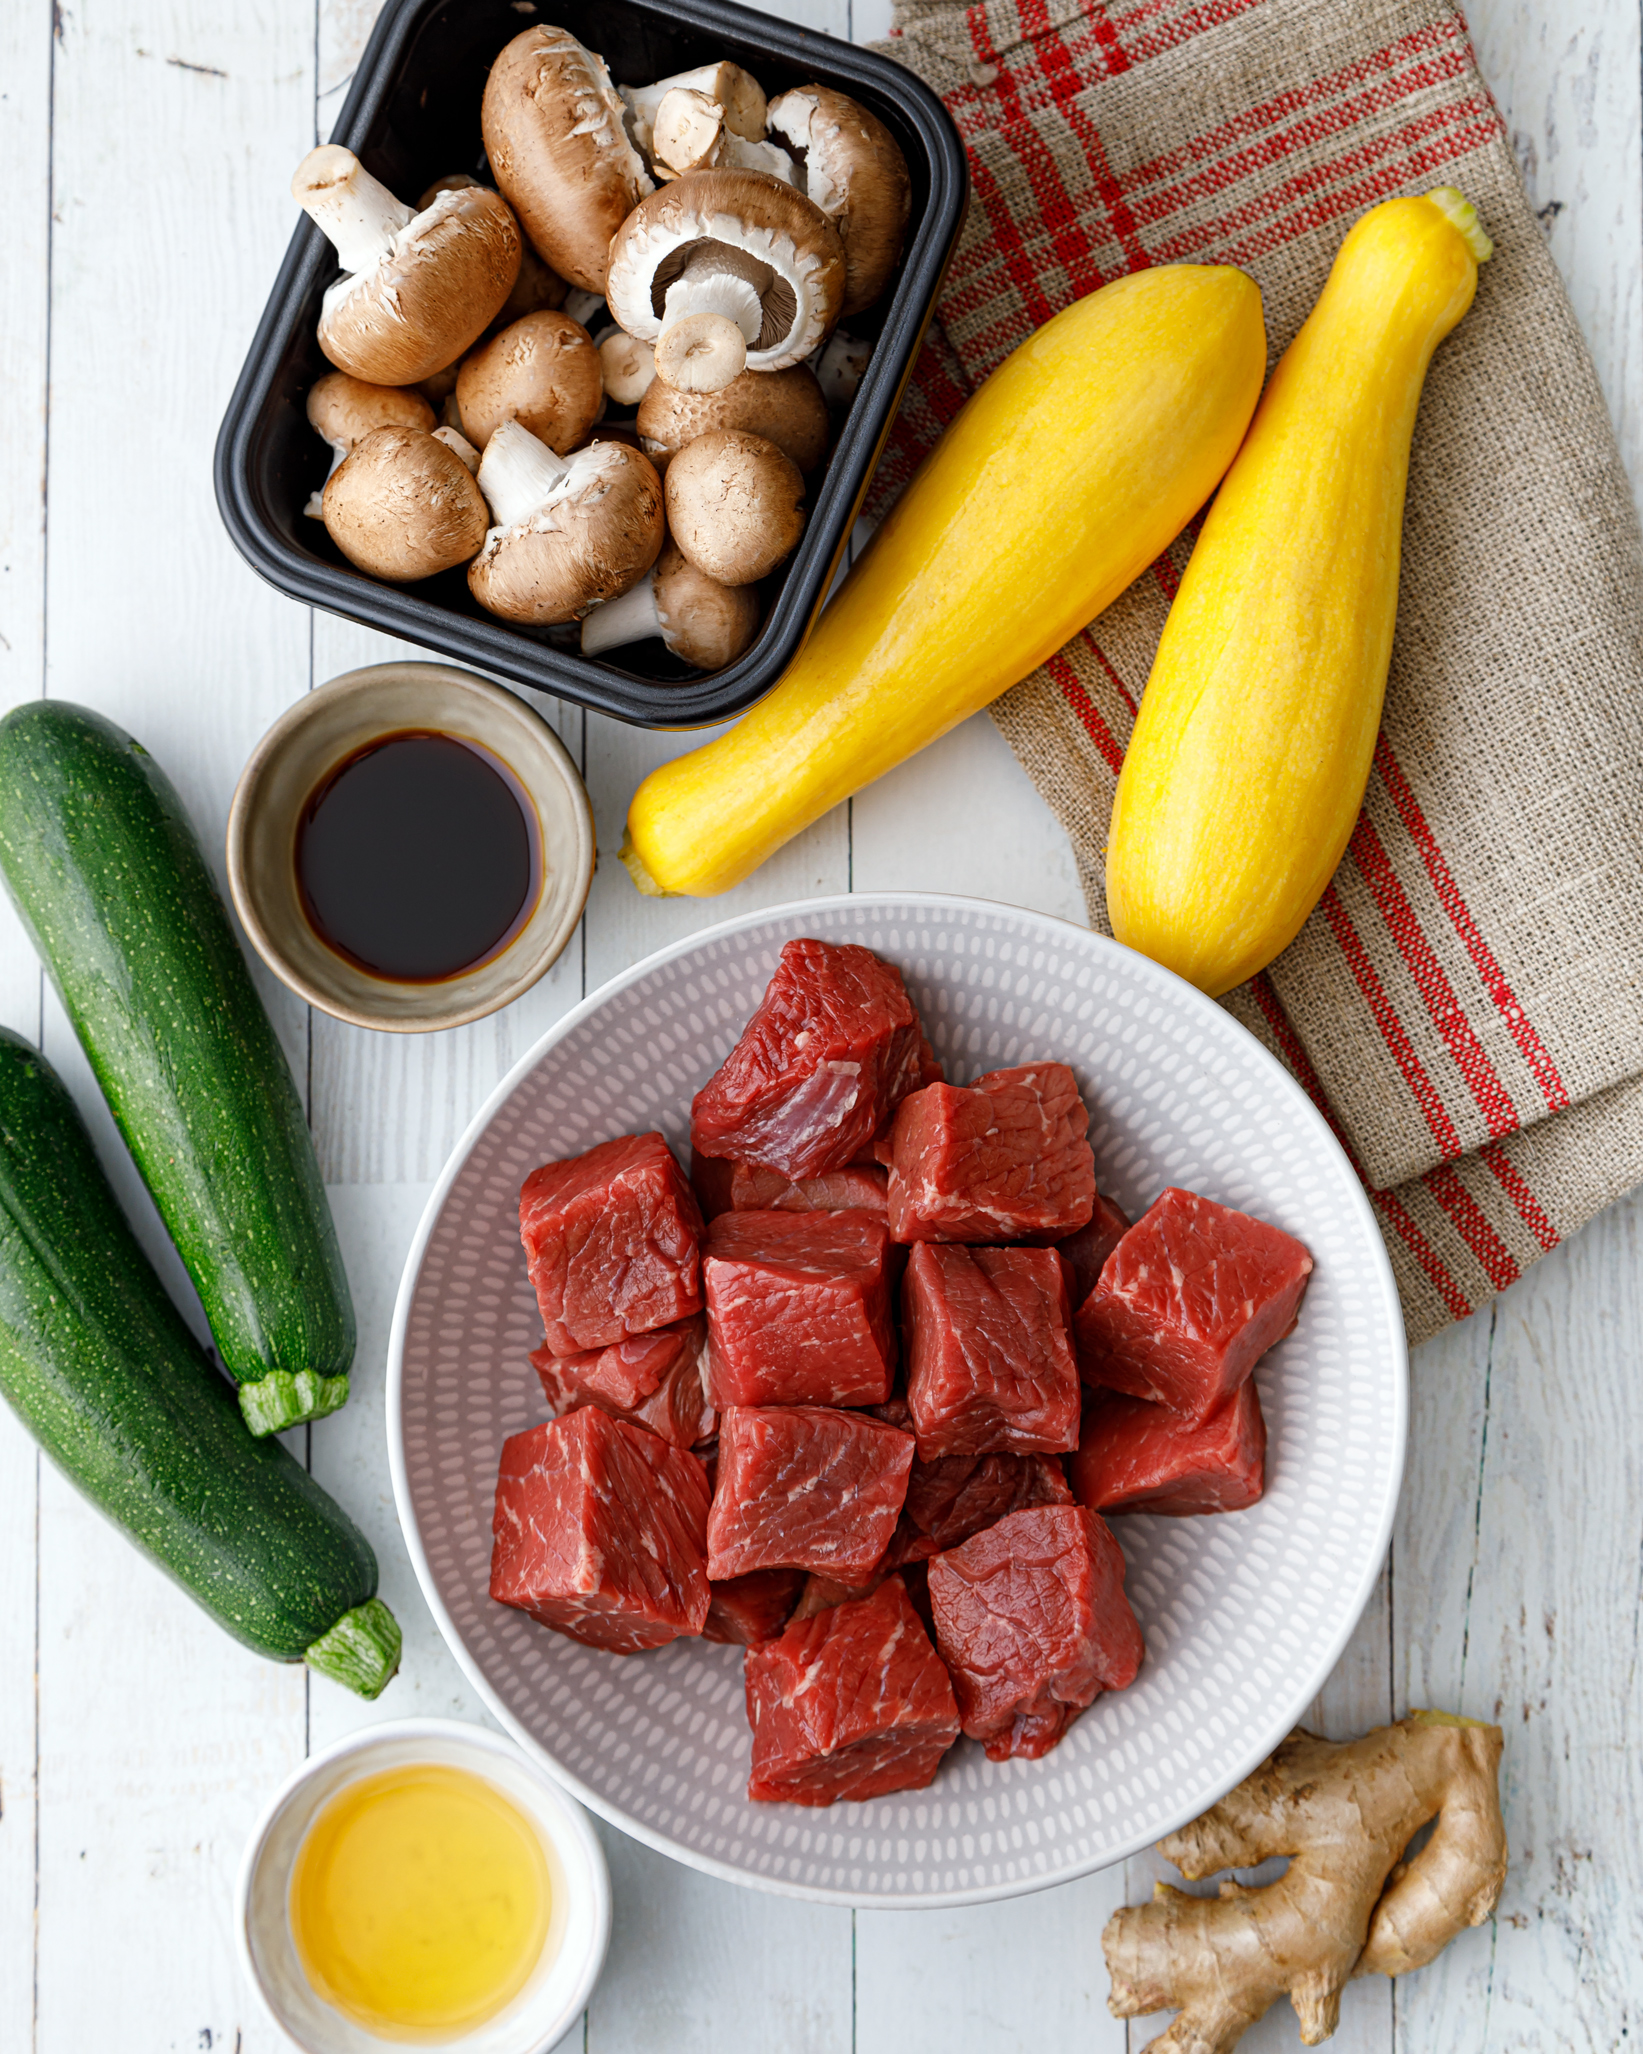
342	410
726	270
785	407
403	505
701	621
840	365
627	365
558	145
738	92
570	532
735	505
543	372
417	288
691	134
853	169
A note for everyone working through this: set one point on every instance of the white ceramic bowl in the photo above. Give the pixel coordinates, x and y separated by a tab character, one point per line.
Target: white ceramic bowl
579	1927
1244	1614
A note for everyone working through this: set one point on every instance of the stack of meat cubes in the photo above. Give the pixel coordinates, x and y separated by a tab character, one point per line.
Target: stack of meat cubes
816	1399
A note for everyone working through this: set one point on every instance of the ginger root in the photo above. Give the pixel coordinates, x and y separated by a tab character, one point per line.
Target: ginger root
1348	1904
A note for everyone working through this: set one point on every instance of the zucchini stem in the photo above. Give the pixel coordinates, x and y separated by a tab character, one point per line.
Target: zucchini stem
1462	216
631	860
287	1397
361	1651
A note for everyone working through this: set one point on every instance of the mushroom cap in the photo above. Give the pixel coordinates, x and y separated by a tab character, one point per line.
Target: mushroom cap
856	174
749	211
703	622
785	407
735	505
559	149
595	536
438	288
537	285
542	372
403	506
343	409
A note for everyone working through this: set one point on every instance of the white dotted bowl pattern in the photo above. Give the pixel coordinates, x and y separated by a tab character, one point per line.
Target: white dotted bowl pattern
1244	1614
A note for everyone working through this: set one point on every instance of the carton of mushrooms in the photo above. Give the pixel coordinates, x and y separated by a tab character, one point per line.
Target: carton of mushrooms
602	385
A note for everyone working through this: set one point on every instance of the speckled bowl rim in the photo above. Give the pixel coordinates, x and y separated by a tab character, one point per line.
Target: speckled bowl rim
1216	1022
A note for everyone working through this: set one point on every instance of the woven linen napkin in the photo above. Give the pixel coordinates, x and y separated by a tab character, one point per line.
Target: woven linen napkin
1466	1002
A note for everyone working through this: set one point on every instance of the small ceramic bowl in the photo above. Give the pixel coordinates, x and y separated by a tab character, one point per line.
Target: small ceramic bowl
579	1928
320	732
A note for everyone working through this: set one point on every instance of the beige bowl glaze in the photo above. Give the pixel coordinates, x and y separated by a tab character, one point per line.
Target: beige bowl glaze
321	731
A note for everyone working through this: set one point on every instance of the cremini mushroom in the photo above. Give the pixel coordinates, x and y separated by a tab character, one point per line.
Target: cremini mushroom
735	505
691	134
537	286
701	621
557	140
416	288
543	372
726	270
404	505
627	365
852	167
737	92
785	407
342	410
569	532
840	364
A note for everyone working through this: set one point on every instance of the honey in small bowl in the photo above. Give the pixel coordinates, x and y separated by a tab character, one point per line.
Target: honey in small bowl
420	1901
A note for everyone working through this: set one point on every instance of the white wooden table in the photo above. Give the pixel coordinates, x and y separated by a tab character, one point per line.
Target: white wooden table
147	149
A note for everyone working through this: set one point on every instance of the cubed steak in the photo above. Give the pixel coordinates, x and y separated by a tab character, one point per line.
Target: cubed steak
613	1243
990	1365
798	1308
1086	1252
960	1495
654	1380
805	1487
1134	1456
851	1704
746	1610
601	1532
1033	1624
863	1187
1002	1159
1189	1301
830	1053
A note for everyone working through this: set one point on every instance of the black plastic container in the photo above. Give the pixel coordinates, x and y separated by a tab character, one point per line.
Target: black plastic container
412	117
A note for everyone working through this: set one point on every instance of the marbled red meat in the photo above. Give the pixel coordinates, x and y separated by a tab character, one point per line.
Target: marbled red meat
601	1532
1134	1456
989	1363
1033	1624
960	1495
805	1487
1003	1159
856	1189
831	1051
612	1241
655	1380
1086	1252
746	1610
851	1704
1189	1301
798	1308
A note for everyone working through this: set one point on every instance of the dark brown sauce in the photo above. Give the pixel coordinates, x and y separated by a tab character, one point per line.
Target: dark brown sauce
419	857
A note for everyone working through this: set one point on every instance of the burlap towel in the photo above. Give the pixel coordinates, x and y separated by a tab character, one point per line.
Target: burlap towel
1465	1004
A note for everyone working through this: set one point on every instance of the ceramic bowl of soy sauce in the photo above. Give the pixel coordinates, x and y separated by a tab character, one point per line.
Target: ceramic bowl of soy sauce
410	847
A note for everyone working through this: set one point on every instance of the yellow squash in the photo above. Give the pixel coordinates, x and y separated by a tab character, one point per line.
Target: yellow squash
1249	760
1076	463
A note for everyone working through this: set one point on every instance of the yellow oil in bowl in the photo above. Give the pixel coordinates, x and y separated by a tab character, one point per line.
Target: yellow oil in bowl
420	1901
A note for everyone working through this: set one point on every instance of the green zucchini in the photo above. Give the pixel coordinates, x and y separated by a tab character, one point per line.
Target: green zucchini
103	865
98	1364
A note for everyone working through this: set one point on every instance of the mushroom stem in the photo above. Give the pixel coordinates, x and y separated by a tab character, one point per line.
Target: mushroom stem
582	306
631	617
517	474
710	318
709	285
459	446
355	210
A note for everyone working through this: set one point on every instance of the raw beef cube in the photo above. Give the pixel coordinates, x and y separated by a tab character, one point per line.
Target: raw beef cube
655	1380
1003	1159
803	1487
798	1308
601	1532
1033	1624
613	1243
961	1495
930	1071
830	1053
1189	1301
858	1189
1086	1251
851	1704
1134	1456
753	1608
821	1593
989	1362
